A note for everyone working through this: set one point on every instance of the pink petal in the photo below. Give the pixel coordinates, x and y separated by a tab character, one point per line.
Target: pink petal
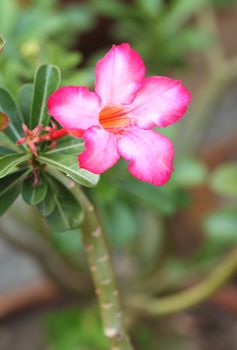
119	75
74	107
150	155
100	150
160	102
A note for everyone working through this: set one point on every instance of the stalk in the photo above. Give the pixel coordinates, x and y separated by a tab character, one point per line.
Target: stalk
100	265
192	296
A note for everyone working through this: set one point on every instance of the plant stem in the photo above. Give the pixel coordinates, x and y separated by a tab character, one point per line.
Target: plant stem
101	269
192	296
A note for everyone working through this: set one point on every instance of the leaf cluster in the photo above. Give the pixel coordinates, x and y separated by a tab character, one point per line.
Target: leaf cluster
35	177
39	32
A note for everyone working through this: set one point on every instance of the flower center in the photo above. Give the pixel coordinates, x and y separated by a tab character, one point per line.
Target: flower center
114	118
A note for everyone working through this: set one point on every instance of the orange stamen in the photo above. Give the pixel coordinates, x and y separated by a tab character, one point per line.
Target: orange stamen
114	118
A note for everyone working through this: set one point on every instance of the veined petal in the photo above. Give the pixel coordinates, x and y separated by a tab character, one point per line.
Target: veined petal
161	101
119	75
74	107
100	150
150	155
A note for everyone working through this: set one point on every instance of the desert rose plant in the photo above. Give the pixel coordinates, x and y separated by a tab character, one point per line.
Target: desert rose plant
56	140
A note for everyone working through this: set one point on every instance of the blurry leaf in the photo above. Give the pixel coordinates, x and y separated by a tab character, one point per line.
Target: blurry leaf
189	172
25	101
221	226
179	12
187	40
68	164
121	223
9	161
34	194
4	121
157	198
68	242
75	329
223	180
46	81
151	7
7	143
67	145
67	213
4	150
115	8
8	106
10	188
8	13
2	43
47	205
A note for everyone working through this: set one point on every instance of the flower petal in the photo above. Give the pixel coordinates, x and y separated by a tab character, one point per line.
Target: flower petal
100	150
160	102
119	75
150	155
74	107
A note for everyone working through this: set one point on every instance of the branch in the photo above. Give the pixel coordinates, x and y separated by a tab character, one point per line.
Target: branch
101	269
191	297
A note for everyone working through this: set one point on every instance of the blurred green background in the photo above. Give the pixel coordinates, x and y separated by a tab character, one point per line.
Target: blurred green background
162	238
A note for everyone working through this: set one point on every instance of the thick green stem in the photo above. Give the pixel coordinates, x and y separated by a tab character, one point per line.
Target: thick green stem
101	269
192	296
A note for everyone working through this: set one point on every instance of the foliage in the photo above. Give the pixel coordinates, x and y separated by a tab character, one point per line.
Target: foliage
31	43
33	175
74	329
135	215
158	30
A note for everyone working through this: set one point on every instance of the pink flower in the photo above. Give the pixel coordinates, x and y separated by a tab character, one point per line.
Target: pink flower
117	119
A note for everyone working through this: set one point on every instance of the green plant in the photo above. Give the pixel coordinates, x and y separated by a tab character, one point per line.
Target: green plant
35	34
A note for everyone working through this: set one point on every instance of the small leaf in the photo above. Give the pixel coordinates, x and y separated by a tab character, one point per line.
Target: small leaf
67	213
223	180
9	107
9	161
4	121
4	150
67	145
221	226
46	81
7	143
2	43
47	205
189	172
34	194
10	188
68	164
25	101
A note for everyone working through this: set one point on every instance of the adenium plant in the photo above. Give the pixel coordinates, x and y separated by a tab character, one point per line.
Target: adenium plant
117	120
93	130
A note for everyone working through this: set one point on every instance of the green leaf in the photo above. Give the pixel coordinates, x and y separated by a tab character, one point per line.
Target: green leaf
9	161
25	101
9	107
68	164
223	180
4	150
7	143
179	13
2	43
221	226
34	194
47	205
10	188
189	172
4	121
46	81
67	145
67	213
